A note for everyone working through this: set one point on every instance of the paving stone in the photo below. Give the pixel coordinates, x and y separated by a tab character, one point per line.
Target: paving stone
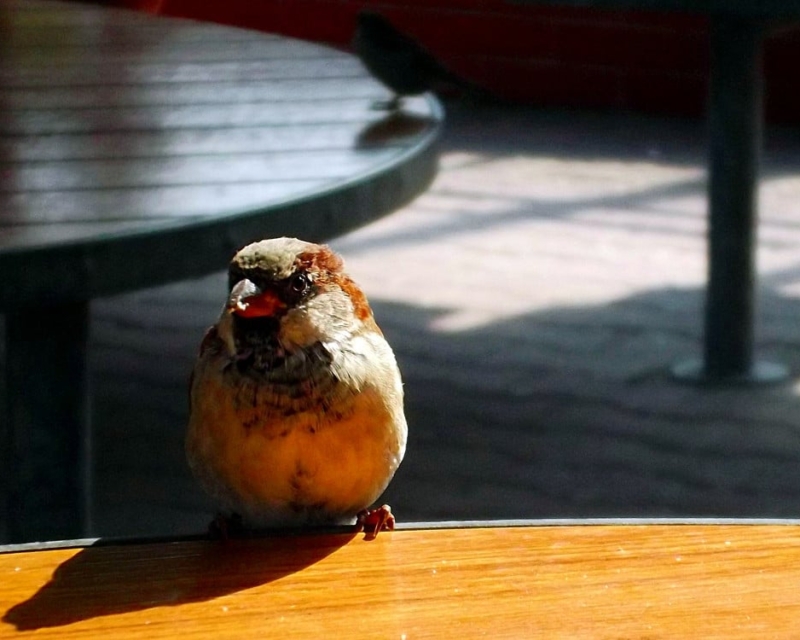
535	297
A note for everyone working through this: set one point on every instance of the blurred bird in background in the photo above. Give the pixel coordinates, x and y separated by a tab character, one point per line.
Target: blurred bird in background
401	63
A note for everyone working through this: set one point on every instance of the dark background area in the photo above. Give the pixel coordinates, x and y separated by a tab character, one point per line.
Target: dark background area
642	61
535	298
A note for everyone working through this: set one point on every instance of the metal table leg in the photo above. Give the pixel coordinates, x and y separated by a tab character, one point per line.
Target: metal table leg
735	117
46	426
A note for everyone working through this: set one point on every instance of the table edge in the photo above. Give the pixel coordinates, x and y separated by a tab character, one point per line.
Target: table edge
410	526
33	277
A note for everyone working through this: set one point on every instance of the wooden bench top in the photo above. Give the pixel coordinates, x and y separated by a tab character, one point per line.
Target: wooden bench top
721	580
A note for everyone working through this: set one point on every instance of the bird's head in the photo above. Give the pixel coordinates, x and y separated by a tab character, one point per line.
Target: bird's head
372	20
376	28
288	297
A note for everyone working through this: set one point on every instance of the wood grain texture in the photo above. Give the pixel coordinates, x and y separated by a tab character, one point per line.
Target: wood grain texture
603	581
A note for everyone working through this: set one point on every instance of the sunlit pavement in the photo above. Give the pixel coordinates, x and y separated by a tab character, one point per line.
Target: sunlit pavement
536	297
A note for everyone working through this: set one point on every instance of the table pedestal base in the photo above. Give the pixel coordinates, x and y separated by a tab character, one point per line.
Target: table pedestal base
46	427
761	373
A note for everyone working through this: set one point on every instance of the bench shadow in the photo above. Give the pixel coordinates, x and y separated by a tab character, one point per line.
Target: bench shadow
106	580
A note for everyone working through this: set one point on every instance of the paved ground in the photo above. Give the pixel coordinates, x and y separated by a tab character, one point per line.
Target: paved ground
535	298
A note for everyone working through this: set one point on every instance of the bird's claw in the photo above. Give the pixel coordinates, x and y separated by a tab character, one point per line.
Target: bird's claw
373	521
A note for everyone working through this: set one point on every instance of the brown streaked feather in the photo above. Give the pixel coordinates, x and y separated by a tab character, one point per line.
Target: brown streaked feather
322	260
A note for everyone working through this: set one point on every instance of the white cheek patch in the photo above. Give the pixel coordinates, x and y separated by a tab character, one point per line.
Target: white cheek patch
328	317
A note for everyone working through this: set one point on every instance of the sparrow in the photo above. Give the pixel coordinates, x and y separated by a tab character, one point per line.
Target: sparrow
296	400
398	61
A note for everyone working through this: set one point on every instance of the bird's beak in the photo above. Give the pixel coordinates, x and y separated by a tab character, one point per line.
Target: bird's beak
249	301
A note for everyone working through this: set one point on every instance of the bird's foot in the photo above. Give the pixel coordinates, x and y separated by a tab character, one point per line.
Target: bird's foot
392	104
224	527
373	521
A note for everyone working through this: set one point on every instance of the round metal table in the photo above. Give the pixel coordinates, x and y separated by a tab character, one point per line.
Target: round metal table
138	150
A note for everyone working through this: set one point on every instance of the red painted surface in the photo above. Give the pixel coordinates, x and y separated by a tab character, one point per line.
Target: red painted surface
648	62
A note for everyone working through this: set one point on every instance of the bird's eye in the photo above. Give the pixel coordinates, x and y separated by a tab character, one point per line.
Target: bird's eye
299	283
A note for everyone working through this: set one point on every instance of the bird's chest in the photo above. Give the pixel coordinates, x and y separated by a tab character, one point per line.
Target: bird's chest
241	413
267	448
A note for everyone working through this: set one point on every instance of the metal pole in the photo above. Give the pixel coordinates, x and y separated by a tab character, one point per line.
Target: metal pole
735	117
47	455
